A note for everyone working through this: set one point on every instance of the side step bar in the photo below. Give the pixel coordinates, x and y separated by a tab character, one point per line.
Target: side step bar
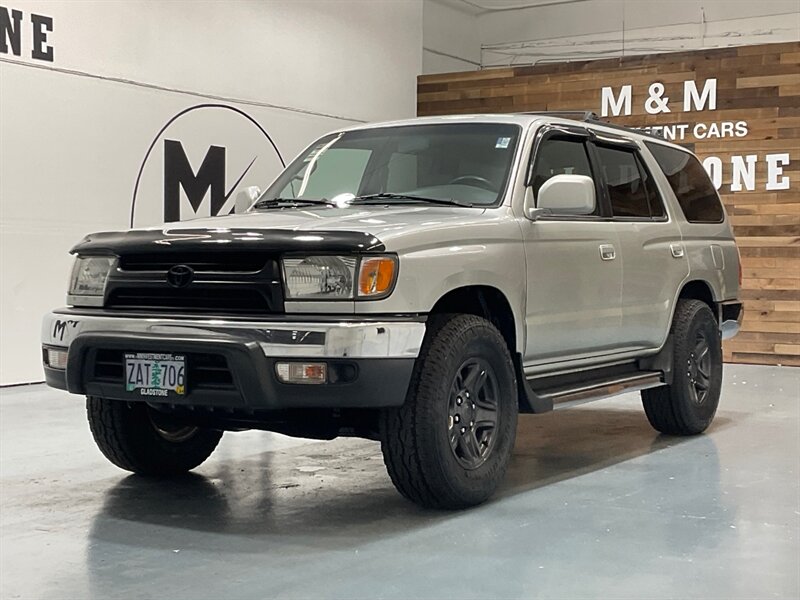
566	398
578	388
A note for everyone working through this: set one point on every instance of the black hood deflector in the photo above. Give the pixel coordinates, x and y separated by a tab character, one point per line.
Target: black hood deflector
224	240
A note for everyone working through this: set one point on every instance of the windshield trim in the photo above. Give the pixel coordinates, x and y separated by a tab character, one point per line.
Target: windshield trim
502	194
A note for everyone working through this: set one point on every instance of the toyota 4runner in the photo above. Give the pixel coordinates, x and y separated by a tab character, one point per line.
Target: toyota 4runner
419	283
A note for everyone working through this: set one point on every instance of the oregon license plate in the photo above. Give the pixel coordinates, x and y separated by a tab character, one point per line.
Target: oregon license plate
155	374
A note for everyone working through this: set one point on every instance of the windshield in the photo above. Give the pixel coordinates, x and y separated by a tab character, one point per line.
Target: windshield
463	162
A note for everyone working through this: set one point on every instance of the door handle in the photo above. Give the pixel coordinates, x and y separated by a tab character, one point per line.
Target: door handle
607	252
677	250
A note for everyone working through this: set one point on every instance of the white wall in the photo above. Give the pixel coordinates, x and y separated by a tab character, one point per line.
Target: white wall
74	131
450	38
524	32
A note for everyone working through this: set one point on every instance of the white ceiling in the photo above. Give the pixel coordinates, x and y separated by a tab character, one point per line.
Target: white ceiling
478	7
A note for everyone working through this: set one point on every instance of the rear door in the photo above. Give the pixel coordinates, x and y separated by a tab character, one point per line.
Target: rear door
653	256
707	235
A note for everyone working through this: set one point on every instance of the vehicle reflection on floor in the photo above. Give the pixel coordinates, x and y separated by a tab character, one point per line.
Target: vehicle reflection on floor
595	503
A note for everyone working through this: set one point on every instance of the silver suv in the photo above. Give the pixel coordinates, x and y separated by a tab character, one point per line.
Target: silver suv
419	283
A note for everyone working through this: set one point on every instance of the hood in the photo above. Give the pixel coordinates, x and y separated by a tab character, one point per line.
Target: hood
378	220
318	228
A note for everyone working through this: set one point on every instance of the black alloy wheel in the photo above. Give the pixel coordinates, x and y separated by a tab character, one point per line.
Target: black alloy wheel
699	369
472	418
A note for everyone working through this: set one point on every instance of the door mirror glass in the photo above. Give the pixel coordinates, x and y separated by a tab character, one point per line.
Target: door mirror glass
245	199
567	195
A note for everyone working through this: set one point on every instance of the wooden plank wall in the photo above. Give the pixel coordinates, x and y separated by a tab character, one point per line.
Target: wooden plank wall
757	84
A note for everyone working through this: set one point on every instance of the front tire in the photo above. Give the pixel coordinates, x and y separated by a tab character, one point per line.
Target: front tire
688	405
137	438
449	445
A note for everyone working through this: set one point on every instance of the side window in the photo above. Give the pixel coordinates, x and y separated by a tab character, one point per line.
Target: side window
624	181
559	156
657	210
688	179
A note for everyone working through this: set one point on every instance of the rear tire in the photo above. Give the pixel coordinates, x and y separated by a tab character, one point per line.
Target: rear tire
449	445
137	438
688	405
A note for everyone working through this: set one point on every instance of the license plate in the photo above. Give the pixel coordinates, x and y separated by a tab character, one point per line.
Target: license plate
155	374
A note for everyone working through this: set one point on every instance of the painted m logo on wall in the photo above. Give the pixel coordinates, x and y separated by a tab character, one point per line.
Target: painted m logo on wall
199	162
209	180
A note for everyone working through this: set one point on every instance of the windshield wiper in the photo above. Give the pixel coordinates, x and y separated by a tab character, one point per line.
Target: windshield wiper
412	197
290	203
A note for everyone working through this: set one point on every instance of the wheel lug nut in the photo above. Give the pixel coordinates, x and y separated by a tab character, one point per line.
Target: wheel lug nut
457	418
463	430
459	400
473	407
467	394
471	423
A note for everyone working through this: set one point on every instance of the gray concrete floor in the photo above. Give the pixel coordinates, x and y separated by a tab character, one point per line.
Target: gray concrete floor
596	504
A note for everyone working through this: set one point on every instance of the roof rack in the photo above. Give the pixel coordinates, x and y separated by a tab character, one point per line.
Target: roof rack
590	116
576	115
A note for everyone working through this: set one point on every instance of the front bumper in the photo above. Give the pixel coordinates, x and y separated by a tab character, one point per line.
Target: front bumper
241	354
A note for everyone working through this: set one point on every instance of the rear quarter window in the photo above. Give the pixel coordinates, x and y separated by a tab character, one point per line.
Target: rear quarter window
689	181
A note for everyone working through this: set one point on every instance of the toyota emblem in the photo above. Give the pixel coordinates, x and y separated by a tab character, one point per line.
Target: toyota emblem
180	276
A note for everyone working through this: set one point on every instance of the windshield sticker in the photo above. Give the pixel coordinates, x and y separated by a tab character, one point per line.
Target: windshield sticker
502	142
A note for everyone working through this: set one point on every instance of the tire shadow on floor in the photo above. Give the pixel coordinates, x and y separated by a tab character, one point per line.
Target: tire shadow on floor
565	444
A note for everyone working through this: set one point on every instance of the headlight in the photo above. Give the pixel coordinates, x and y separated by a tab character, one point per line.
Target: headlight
321	277
88	281
339	277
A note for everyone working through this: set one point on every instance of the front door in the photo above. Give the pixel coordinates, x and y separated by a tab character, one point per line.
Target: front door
573	266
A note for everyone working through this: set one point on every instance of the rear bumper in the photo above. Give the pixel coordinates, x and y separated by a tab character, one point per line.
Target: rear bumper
731	313
377	356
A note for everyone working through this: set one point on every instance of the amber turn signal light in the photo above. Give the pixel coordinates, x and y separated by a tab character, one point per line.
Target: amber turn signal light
376	275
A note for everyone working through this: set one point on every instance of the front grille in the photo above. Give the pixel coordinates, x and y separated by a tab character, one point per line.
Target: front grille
220	262
191	299
108	366
203	371
223	282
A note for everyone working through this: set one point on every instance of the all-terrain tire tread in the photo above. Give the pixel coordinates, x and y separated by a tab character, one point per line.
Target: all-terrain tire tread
122	435
403	453
106	430
660	404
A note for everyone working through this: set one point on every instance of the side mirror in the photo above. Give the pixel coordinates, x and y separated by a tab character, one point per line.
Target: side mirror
530	209
567	195
245	199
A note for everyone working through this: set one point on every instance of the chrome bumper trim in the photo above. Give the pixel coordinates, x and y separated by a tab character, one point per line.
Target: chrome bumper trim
330	339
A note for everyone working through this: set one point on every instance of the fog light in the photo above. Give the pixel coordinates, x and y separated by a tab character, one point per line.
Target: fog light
56	359
299	372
